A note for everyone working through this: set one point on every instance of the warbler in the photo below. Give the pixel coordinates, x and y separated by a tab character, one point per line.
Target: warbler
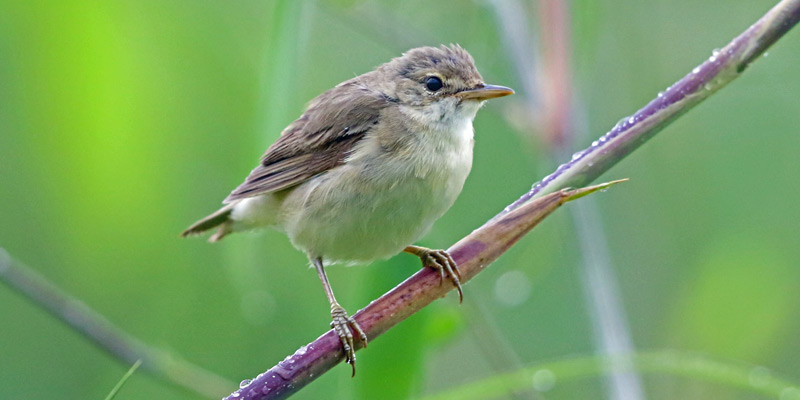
367	169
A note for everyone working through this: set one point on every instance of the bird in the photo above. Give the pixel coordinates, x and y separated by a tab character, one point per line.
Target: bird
367	169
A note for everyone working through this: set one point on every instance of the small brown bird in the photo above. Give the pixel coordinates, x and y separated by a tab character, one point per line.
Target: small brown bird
367	169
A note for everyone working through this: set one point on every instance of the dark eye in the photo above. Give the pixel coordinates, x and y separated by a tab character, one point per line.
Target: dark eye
433	83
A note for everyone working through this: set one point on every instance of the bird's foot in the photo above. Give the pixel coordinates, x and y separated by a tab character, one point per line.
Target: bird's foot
441	261
345	326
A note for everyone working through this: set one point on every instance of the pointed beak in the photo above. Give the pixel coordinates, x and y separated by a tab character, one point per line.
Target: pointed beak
484	92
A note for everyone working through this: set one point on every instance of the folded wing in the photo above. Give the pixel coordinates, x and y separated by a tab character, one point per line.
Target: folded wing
319	140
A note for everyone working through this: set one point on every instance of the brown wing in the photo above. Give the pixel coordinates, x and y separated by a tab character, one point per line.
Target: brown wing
316	142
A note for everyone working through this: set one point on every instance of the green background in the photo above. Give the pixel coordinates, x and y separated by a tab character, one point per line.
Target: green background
122	122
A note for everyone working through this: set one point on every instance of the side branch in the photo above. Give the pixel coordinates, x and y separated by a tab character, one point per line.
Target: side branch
107	336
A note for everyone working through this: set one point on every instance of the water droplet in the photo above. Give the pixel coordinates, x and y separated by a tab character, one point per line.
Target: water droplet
244	383
235	394
543	380
696	70
713	57
631	120
301	351
577	155
283	372
620	125
660	94
595	143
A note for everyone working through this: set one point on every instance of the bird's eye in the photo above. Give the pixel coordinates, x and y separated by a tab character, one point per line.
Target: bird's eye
433	83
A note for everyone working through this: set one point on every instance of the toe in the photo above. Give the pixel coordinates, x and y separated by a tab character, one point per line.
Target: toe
347	329
442	261
453	264
357	328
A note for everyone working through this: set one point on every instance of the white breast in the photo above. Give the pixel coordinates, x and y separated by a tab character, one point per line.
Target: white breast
378	203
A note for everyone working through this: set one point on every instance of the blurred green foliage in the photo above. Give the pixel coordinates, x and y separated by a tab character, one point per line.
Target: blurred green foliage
123	122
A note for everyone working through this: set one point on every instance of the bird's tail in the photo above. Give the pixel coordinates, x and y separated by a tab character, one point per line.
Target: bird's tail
220	218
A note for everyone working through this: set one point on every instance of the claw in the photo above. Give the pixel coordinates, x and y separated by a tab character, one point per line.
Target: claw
441	261
344	326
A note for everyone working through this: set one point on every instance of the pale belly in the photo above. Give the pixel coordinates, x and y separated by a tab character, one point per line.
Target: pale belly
378	201
359	212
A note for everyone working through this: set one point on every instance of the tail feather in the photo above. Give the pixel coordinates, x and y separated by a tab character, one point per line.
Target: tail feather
220	218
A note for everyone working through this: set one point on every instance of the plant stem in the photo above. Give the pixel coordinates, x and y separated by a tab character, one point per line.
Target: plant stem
476	251
472	254
722	67
105	334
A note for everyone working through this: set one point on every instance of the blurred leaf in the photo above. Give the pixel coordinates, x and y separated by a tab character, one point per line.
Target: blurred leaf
547	376
737	301
444	324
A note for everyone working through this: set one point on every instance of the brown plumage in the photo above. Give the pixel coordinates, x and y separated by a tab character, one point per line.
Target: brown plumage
316	142
367	169
322	137
334	121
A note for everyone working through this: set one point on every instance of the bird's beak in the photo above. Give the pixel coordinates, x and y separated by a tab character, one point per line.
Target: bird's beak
485	92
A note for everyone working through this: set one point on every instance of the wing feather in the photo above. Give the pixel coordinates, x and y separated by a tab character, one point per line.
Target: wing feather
319	140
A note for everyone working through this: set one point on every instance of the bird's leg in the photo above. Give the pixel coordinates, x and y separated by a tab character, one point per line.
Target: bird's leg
441	261
342	323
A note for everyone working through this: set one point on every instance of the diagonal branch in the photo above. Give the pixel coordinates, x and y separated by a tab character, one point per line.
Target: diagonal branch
476	251
721	68
472	254
104	334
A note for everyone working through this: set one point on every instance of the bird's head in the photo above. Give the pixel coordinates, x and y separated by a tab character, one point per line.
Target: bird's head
437	84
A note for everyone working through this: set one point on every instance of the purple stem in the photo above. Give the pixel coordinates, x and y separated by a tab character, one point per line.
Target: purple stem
480	248
717	71
472	253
